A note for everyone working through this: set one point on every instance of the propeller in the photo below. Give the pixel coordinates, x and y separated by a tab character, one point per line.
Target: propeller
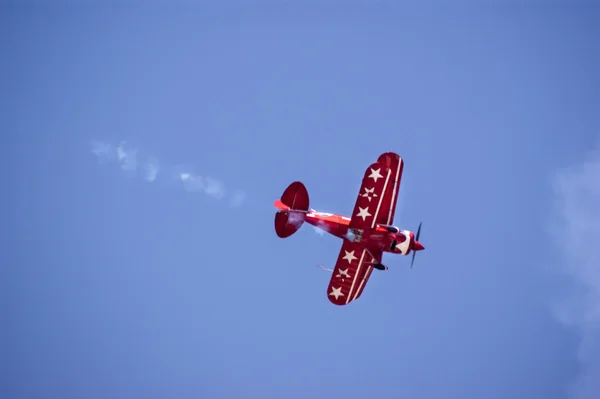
416	240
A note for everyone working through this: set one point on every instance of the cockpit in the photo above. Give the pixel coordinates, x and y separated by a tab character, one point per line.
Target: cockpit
354	235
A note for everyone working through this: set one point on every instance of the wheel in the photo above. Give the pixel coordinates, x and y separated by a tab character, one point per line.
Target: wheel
379	266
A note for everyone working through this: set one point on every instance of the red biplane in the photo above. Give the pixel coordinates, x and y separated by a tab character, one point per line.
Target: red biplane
366	235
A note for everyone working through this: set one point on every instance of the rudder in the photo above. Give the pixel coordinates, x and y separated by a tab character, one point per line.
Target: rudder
296	196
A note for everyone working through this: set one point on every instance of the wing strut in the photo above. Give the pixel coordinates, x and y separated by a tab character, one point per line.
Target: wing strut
375	264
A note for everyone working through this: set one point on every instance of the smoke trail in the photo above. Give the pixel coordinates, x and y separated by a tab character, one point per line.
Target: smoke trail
127	158
296	219
151	167
319	231
208	185
104	151
237	198
320	228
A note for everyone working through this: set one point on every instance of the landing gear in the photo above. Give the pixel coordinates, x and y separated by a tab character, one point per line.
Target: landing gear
393	246
374	261
379	266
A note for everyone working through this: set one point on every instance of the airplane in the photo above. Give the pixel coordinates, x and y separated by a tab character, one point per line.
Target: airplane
366	235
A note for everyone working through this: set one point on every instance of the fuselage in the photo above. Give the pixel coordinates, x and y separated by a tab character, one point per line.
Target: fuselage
387	238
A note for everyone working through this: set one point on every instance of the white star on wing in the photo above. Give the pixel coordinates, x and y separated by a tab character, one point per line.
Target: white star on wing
363	213
375	174
343	273
369	191
349	256
336	292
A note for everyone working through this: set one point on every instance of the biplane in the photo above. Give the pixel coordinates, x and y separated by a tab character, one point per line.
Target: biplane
366	235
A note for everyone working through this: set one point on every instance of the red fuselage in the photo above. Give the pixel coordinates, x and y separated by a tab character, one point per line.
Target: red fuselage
387	238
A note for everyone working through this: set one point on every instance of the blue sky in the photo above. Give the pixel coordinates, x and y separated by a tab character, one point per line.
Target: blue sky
119	287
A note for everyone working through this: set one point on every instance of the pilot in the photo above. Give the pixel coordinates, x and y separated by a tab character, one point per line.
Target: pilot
357	233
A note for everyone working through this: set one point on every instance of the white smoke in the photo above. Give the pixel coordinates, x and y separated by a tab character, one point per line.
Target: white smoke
578	193
238	198
214	188
320	228
208	185
127	158
296	219
151	167
103	151
319	231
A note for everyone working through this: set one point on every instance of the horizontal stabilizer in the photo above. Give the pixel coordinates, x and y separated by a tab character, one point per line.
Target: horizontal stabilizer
293	207
283	207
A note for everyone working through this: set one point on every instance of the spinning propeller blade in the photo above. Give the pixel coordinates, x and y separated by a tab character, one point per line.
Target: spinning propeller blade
416	240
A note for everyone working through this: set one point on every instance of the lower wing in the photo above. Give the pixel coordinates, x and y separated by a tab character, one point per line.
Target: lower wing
351	272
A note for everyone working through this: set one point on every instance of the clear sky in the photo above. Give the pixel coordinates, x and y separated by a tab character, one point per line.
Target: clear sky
120	280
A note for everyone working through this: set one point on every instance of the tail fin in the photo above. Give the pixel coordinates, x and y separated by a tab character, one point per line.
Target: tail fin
293	207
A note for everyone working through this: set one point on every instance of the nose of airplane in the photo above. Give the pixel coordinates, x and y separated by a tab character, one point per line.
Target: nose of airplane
417	246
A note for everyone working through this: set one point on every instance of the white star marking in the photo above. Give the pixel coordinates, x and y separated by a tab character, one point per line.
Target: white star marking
367	192
336	292
349	256
363	213
343	273
375	174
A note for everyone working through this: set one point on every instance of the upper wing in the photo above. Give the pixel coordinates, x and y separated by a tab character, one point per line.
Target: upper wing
351	273
373	194
388	206
376	203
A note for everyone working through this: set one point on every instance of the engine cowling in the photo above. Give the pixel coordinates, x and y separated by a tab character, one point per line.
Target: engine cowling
404	242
